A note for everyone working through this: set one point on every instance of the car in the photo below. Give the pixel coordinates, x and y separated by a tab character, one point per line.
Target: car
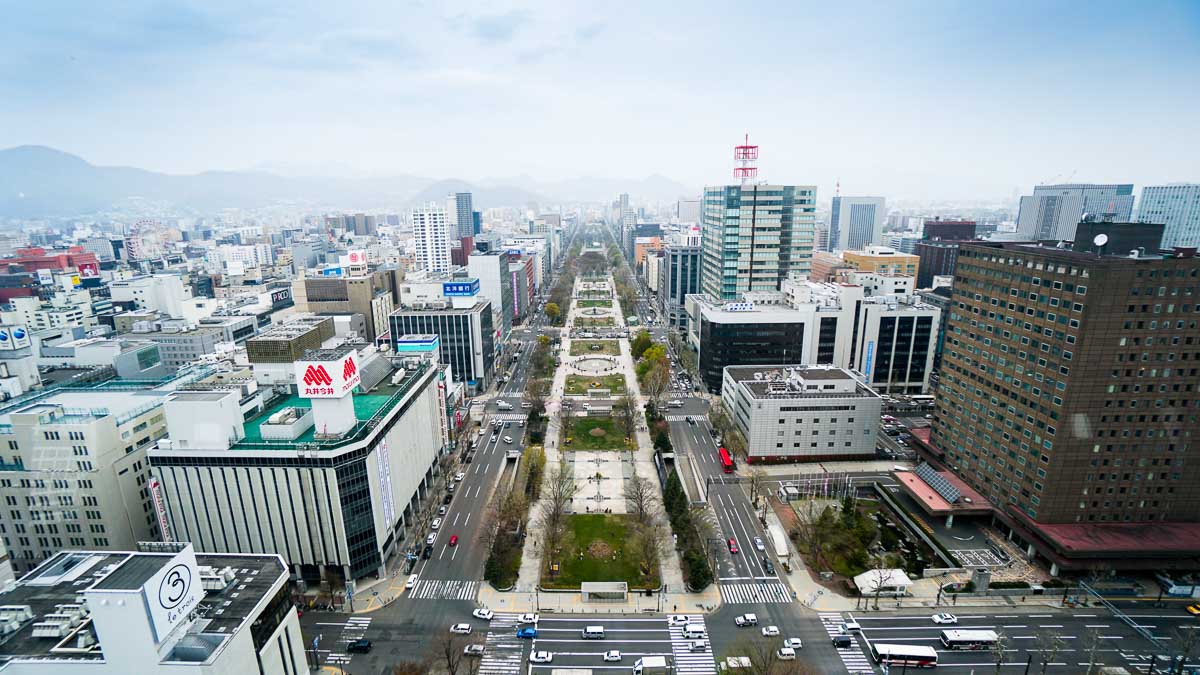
768	566
793	643
437	522
448	498
612	655
733	545
850	627
842	641
412	581
508	439
428	551
527	618
746	620
929	417
697	645
461	629
431	538
483	613
521	423
541	657
758	544
786	654
691	420
442	510
362	646
1194	610
944	617
459	476
677	620
507	425
528	633
454	540
770	631
473	650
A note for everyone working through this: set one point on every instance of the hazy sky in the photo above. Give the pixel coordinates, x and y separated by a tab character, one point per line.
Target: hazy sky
910	100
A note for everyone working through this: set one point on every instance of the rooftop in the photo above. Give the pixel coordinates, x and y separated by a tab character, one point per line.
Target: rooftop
59	585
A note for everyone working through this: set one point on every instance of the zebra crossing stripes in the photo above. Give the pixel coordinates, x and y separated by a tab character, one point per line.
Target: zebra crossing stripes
754	593
853	657
676	418
355	629
509	417
502	650
686	660
444	589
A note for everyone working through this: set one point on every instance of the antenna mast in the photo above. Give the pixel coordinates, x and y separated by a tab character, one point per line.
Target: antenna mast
744	157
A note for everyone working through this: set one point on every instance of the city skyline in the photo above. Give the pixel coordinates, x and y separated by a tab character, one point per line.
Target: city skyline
955	104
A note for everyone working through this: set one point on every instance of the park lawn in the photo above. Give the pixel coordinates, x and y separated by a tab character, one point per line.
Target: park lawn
584	347
610	534
595	303
580	431
594	321
579	384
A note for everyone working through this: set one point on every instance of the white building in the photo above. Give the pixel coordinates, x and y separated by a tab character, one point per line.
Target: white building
431	235
162	293
790	413
1054	211
171	611
877	283
1177	207
495	284
856	222
327	477
61	310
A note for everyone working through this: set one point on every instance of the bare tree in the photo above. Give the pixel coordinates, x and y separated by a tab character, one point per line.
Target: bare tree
1093	646
656	380
625	412
998	648
413	667
448	648
880	575
647	542
1186	638
758	478
557	496
1050	645
642	496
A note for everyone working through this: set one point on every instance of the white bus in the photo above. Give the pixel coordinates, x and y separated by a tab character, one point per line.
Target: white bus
969	639
904	655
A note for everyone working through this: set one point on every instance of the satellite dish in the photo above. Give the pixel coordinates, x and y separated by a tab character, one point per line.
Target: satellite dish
1100	239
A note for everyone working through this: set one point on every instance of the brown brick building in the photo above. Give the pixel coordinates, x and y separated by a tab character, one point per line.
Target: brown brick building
1068	398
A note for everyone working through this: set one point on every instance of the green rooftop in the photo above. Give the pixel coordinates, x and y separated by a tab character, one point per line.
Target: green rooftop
367	407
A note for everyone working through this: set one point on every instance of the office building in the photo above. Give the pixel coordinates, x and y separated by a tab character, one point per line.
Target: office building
184	347
856	222
130	359
876	283
801	413
894	342
162	609
60	310
432	232
272	352
371	294
935	257
1066	398
950	230
461	215
327	477
1053	211
1177	207
904	242
495	284
359	224
74	468
754	236
163	293
688	210
678	277
884	260
828	266
465	331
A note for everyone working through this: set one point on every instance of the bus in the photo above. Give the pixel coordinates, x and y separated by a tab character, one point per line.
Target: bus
904	655
726	461
969	639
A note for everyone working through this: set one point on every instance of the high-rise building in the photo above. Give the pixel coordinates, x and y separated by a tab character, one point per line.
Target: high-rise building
678	277
466	333
461	215
1053	211
1067	399
856	222
495	284
754	236
372	295
952	230
433	228
935	258
1175	206
688	210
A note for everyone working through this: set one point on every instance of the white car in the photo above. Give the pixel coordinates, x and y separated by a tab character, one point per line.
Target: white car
527	618
431	538
697	645
461	629
541	657
770	631
473	650
483	613
459	476
786	654
758	544
508	439
945	617
412	581
437	522
677	620
793	643
612	655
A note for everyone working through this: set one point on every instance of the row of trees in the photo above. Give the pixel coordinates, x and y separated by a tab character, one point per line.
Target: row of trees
653	367
507	518
692	529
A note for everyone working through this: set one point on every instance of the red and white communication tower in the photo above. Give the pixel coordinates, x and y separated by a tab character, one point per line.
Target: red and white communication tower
744	156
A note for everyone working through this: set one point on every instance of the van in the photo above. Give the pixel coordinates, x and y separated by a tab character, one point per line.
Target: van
693	631
592	633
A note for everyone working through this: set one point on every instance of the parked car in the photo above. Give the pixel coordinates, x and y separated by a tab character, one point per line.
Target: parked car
442	510
437	522
428	551
412	581
432	537
758	544
483	613
768	566
459	476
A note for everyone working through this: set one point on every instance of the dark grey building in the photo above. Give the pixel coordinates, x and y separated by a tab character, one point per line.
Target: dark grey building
467	337
464	215
1119	238
936	258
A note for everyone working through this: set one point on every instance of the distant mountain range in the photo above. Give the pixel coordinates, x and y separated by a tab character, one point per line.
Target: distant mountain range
41	182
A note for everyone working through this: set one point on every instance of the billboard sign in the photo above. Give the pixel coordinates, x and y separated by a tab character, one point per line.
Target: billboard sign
739	307
460	289
160	507
88	270
13	337
358	258
173	592
328	379
333	272
281	296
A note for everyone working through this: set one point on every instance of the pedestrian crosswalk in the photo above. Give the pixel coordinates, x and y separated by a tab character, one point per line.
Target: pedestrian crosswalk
853	657
699	662
501	648
444	589
510	417
676	418
355	629
755	593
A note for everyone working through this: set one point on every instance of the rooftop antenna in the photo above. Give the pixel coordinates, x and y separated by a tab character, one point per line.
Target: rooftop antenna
837	188
744	157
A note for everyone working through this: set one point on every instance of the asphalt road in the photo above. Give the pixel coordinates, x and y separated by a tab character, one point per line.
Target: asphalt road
633	636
